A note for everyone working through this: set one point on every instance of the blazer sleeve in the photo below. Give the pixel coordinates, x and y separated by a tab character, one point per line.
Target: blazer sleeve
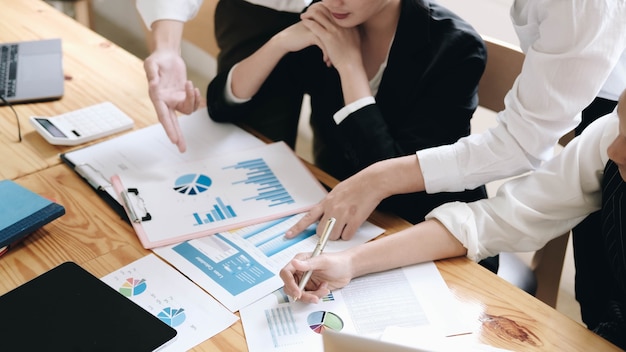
417	108
284	78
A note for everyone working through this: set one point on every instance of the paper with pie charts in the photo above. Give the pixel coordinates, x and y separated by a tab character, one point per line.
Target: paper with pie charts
407	297
161	290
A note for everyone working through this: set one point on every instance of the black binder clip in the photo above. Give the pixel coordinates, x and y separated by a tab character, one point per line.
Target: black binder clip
133	201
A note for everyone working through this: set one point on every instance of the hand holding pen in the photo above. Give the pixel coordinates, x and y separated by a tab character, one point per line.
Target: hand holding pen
319	248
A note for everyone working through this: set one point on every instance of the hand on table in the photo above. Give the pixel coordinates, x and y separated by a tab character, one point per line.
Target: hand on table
171	92
351	202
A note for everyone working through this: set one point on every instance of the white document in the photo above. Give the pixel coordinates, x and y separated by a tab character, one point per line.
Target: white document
407	297
150	148
164	292
199	198
239	267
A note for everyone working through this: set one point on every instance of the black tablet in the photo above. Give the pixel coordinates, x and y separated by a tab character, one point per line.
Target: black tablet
69	309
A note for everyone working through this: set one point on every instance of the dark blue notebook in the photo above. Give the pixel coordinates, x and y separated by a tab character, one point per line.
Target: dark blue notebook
22	212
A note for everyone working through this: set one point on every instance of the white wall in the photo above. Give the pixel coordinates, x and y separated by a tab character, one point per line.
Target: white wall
488	17
121	13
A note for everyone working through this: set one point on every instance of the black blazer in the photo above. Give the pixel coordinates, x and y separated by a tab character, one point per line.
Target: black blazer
426	98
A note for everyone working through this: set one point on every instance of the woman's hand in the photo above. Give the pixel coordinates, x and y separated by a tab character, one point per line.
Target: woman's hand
341	46
330	271
351	202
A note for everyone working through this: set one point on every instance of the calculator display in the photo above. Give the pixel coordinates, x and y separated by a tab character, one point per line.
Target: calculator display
52	129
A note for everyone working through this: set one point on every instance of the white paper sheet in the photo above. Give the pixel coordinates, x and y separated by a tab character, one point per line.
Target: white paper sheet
199	198
241	266
407	297
164	292
149	147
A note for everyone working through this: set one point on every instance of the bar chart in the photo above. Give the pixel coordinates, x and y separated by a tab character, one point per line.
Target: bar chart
269	187
219	211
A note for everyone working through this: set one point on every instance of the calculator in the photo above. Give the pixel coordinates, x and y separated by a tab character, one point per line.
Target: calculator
82	125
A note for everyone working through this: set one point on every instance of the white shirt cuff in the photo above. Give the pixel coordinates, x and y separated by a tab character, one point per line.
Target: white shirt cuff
352	107
151	12
228	92
440	170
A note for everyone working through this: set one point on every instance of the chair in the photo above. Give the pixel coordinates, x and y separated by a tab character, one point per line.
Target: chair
504	63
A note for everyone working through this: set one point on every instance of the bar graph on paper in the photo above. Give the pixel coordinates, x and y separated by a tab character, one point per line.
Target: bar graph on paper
221	193
268	186
218	212
256	173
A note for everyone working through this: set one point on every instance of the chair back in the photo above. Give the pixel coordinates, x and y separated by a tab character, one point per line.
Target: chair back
504	63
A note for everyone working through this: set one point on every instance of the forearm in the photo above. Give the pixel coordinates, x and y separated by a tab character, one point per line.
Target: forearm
426	241
249	75
393	176
167	35
354	82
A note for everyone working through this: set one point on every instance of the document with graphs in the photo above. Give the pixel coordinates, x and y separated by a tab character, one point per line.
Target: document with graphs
410	297
183	201
240	266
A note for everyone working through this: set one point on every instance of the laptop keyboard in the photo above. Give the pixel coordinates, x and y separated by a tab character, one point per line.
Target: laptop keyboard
8	70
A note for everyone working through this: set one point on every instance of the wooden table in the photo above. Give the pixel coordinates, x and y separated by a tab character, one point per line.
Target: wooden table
96	70
93	235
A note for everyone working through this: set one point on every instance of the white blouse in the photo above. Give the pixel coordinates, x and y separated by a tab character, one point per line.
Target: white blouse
574	49
529	211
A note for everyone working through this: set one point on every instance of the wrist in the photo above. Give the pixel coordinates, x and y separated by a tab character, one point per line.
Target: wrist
354	266
278	44
166	35
354	82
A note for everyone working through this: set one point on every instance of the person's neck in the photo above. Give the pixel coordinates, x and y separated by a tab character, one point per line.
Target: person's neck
383	24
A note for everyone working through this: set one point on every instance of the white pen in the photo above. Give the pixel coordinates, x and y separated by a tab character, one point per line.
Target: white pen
321	243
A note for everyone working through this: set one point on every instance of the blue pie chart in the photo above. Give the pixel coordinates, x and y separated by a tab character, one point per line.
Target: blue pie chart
172	317
192	184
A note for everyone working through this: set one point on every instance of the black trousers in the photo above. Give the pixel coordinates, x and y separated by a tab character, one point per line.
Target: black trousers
240	29
594	284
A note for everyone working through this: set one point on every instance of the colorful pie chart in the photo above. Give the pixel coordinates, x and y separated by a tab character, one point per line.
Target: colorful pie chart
320	320
133	287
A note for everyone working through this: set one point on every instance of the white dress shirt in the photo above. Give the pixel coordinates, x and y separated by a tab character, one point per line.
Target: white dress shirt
529	211
571	47
184	10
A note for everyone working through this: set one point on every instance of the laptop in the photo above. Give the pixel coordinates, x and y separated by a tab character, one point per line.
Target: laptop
68	309
31	71
335	341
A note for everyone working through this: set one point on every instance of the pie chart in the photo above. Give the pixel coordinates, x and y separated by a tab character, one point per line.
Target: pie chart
172	317
320	320
192	184
132	287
